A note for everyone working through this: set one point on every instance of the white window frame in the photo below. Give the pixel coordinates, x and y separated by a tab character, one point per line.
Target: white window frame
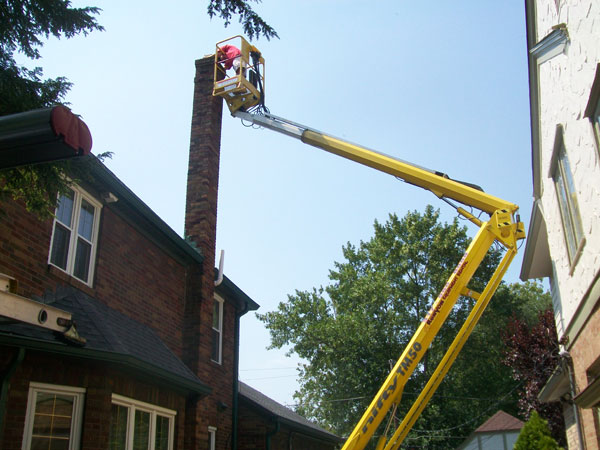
135	405
219	330
570	212
78	395
592	110
212	438
79	195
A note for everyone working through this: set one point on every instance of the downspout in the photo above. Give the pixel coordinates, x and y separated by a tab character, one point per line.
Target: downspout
272	433
6	376
236	381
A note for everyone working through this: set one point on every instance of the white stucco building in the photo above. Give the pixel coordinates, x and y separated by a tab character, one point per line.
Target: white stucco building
564	232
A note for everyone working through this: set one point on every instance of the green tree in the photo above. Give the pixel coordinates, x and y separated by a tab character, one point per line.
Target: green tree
349	330
24	24
254	26
535	435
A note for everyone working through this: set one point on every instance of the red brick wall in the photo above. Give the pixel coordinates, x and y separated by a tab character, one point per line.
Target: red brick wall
132	274
137	278
585	353
24	246
99	380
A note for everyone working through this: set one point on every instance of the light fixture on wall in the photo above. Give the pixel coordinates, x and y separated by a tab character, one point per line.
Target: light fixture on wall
109	197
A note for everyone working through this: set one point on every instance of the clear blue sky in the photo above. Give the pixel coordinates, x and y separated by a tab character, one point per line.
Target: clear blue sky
441	84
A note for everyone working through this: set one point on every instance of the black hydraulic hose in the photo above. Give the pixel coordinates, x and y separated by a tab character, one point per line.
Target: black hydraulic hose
255	61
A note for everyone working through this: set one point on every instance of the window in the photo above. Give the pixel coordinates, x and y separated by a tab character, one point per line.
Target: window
74	235
592	110
567	199
212	438
53	418
140	426
217	330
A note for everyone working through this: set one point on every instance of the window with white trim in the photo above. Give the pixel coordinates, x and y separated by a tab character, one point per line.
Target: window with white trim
75	234
567	199
217	330
136	425
592	110
212	438
54	416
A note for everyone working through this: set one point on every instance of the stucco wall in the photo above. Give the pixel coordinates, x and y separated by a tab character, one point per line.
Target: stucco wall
564	88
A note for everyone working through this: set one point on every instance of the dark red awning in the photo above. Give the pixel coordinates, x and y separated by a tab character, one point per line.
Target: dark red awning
42	135
73	130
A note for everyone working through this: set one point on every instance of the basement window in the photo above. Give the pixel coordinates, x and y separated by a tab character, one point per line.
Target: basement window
75	234
53	418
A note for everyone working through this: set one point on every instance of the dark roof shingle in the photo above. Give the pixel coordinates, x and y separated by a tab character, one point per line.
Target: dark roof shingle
110	335
290	417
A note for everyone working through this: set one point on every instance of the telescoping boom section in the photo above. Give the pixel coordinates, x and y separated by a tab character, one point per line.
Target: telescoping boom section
502	227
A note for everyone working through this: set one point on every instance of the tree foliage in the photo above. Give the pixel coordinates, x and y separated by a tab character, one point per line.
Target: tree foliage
254	26
24	26
350	330
532	353
535	435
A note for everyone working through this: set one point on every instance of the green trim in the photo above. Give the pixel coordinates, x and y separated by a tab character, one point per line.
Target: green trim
231	291
131	362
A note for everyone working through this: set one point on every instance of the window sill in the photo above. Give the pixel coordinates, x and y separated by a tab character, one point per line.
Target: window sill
578	254
69	279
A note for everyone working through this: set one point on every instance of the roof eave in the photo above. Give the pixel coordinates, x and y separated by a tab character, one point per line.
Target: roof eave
153	223
167	378
324	435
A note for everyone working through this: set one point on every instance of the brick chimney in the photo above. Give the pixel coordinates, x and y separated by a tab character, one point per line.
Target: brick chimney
201	229
203	168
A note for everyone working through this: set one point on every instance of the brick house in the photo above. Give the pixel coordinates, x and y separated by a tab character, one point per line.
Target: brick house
159	368
564	238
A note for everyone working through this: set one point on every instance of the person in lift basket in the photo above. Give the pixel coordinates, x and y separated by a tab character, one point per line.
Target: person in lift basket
230	56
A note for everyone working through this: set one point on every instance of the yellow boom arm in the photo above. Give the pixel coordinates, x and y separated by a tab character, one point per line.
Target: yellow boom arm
503	227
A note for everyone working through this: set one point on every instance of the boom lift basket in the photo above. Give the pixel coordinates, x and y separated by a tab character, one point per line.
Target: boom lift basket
244	88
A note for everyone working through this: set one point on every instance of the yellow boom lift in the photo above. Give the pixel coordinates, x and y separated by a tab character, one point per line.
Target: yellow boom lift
244	96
